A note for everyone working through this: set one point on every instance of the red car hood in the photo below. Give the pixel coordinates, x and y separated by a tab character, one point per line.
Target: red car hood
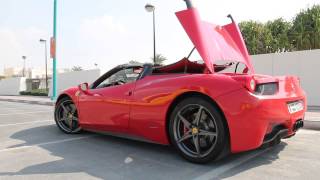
215	43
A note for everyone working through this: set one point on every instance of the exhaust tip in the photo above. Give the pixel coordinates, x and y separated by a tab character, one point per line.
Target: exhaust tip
298	125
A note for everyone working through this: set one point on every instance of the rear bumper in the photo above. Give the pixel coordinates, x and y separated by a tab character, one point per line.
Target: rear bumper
255	120
280	132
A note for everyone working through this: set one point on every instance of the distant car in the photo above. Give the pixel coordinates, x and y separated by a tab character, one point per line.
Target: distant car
205	110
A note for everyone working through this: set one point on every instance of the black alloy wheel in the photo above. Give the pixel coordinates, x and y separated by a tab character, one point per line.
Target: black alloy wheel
66	116
196	130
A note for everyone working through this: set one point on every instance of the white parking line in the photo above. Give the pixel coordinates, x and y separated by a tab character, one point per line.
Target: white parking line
20	110
7	114
23	123
9	108
228	166
47	143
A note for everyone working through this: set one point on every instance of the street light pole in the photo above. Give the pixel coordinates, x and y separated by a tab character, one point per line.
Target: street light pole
189	4
151	8
24	65
54	74
154	37
46	60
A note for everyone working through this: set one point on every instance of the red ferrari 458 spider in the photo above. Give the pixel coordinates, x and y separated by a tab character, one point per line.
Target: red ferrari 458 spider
205	109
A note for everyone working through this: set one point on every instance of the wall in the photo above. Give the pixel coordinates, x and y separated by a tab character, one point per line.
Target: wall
70	79
12	86
304	64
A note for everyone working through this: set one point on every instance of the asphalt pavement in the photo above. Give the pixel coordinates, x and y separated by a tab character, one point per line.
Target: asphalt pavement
32	147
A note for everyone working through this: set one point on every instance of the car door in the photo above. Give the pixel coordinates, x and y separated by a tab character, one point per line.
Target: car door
106	106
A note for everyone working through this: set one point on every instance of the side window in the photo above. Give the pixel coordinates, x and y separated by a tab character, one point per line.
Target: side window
132	74
121	77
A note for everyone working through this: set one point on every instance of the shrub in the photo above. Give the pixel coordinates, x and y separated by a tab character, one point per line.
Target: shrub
35	92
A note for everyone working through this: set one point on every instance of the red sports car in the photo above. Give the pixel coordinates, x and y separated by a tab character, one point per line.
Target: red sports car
205	109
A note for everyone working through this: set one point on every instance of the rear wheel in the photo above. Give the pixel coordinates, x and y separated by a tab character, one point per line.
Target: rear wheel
196	130
66	116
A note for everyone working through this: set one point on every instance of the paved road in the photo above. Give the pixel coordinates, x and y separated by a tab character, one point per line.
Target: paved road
31	147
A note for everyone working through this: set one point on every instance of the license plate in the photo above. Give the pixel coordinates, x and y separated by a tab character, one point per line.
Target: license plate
294	107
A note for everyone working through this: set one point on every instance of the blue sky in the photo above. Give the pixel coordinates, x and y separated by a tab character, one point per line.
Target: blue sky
112	32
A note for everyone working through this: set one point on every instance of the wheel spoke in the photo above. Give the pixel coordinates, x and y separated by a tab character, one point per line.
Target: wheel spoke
207	133
196	143
73	109
64	108
70	125
185	122
198	116
63	119
187	135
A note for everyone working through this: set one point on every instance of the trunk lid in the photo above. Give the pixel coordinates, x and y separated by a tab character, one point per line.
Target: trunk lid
215	43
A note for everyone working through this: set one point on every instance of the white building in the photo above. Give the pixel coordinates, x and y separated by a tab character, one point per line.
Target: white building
31	73
16	72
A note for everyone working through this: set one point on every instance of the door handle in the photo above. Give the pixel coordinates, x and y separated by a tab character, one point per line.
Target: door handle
96	95
129	93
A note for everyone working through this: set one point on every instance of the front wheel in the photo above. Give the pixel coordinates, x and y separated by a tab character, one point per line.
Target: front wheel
197	131
66	116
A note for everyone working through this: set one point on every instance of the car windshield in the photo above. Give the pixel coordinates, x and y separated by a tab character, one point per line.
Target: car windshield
123	76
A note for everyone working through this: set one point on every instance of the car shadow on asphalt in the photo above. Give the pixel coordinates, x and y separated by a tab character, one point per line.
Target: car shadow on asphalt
264	159
108	157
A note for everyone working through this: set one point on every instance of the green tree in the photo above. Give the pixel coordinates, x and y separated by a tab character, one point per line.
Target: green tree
279	29
305	32
159	59
257	37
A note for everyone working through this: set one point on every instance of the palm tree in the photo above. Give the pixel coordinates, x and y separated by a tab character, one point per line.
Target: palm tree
159	59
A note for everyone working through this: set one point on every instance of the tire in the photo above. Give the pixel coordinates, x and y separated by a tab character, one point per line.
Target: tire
197	121
66	116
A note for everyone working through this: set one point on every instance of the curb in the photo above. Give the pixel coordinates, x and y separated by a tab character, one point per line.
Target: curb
29	102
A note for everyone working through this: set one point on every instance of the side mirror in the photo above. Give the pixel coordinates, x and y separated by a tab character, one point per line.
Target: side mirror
84	87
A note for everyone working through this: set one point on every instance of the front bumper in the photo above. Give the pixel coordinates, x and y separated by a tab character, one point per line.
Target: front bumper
254	120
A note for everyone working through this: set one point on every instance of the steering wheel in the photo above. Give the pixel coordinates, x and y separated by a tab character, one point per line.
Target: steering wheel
120	82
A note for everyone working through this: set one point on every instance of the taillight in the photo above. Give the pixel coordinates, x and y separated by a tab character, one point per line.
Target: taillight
252	85
247	81
266	88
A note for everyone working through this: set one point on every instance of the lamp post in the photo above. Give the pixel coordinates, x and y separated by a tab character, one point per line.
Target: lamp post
46	59
151	8
189	4
54	62
24	66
